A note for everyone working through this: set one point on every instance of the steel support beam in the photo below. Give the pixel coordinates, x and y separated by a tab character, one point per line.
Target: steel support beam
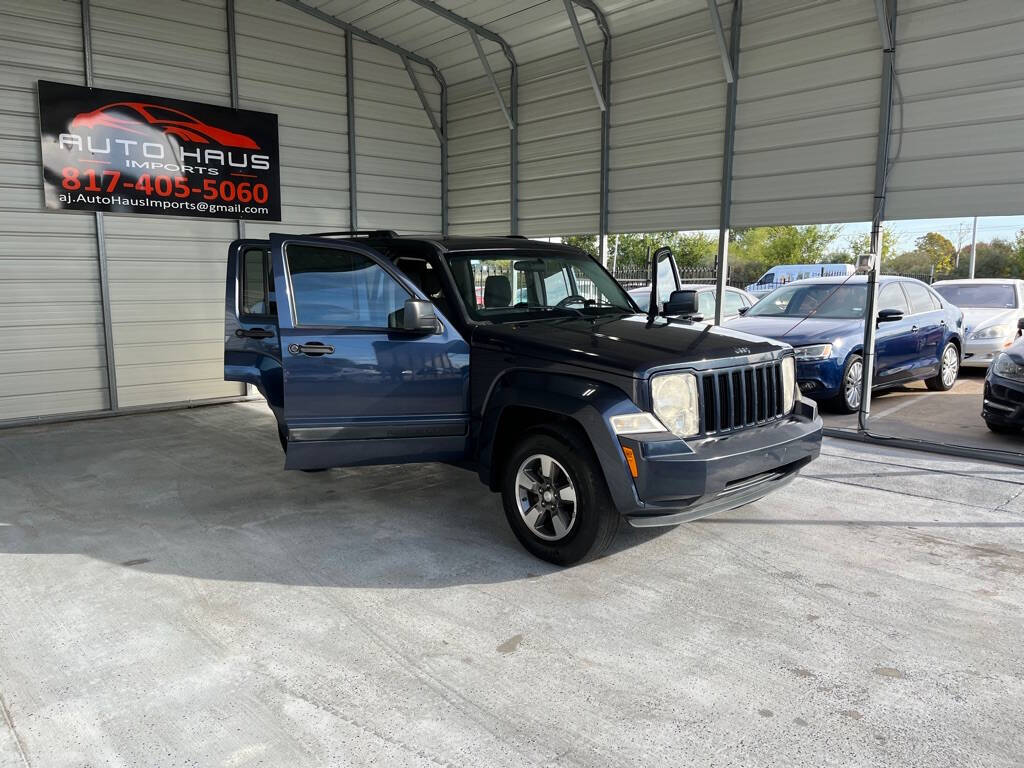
716	25
490	76
570	11
725	209
101	239
511	112
233	76
439	131
350	117
888	21
606	120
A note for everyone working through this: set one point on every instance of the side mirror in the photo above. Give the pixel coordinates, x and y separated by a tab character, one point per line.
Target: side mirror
743	310
682	302
1020	324
890	315
419	315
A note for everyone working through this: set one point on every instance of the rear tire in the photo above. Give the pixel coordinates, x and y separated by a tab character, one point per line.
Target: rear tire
555	498
949	369
848	399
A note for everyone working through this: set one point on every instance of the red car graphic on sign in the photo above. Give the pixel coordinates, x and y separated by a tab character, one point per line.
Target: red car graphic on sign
127	116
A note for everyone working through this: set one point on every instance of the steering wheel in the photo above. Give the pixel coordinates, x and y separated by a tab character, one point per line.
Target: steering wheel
573	299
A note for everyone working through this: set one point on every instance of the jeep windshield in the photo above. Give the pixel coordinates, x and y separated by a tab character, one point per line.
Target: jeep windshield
500	286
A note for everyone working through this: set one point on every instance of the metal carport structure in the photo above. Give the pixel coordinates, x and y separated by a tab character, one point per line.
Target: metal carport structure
541	118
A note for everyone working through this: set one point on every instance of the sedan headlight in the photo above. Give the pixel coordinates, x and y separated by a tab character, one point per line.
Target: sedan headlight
789	383
816	352
994	332
674	397
1007	367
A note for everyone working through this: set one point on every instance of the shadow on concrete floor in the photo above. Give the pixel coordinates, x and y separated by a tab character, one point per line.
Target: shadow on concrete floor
202	493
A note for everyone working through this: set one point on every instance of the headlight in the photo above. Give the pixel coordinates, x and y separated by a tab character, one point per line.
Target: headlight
636	423
994	332
817	352
675	402
789	383
1007	367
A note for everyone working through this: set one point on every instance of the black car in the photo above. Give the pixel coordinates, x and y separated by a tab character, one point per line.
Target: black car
526	360
1003	406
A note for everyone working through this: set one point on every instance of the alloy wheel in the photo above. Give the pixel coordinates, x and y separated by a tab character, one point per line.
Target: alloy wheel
950	366
546	497
852	384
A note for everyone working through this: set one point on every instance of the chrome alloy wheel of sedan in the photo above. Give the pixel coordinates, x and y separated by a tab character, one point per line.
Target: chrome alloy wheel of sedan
546	497
950	366
852	384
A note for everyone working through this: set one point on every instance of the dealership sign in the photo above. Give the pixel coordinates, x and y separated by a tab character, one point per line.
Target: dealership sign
130	153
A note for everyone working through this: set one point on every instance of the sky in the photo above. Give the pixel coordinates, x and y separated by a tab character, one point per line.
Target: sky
989	228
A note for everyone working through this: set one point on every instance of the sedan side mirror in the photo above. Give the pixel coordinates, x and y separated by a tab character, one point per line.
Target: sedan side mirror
890	315
682	302
419	315
743	310
1020	324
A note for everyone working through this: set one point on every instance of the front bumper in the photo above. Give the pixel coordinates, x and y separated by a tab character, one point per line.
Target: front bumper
1004	401
679	481
980	354
820	379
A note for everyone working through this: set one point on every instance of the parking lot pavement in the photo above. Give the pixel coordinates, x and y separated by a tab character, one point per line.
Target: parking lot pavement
172	597
950	417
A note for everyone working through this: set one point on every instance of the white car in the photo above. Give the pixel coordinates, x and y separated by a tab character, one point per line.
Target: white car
992	308
737	300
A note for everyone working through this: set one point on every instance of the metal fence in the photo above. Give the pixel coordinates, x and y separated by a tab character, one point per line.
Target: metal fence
632	276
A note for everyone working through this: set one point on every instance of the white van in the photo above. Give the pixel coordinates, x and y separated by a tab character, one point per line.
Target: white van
787	273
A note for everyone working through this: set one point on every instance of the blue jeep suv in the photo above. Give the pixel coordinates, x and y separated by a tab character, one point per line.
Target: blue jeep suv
523	359
919	335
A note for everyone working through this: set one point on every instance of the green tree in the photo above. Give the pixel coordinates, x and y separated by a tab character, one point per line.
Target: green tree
689	248
755	250
586	242
999	258
937	250
860	245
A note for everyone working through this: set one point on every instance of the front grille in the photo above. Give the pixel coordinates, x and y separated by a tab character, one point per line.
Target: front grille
735	398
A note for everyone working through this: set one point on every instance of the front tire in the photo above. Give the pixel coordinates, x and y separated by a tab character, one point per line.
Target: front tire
949	369
848	399
555	499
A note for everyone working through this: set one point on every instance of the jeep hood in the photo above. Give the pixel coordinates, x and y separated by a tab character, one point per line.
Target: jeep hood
626	345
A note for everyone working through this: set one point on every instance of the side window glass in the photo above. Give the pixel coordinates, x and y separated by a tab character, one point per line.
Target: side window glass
768	279
706	304
891	297
666	280
336	288
256	283
920	299
556	287
732	303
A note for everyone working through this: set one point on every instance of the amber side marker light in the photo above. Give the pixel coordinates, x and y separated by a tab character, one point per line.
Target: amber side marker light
630	460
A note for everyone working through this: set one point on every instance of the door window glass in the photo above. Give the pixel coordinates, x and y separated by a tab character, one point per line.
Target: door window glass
920	299
666	280
706	304
556	286
732	303
767	279
890	296
332	287
256	283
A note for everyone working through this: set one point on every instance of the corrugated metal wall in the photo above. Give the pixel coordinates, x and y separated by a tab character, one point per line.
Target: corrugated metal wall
961	68
399	156
166	273
52	355
807	118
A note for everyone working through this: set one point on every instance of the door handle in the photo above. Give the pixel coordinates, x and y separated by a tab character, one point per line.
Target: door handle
311	349
253	333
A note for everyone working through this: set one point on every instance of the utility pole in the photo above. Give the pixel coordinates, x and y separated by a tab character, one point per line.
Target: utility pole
974	245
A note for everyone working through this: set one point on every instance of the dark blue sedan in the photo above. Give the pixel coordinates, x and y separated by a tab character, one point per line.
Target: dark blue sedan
919	335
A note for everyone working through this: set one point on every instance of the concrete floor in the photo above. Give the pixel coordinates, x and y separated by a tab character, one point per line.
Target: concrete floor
945	417
171	597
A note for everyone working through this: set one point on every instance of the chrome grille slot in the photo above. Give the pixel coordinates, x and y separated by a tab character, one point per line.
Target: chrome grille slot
736	398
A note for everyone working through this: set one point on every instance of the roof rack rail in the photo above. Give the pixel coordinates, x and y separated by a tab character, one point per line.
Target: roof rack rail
356	233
